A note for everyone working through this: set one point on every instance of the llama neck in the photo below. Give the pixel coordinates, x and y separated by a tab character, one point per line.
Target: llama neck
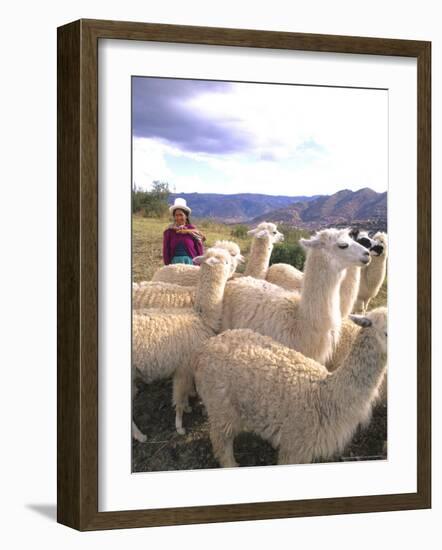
209	296
259	259
354	385
320	297
349	289
375	272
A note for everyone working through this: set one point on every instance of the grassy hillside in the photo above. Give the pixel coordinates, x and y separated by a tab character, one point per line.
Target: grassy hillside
147	243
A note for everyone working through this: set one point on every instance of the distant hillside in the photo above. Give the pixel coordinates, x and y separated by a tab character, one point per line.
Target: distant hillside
236	208
343	208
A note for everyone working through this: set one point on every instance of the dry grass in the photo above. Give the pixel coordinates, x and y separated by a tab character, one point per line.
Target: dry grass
147	243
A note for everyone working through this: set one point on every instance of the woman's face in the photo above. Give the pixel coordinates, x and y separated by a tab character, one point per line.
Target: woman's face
180	217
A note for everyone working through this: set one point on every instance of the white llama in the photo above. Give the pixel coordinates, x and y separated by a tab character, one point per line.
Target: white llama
249	382
309	323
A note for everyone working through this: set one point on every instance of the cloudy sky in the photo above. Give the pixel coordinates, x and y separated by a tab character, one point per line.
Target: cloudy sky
223	137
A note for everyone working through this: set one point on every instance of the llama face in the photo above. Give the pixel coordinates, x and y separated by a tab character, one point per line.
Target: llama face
348	252
339	248
234	251
377	249
267	231
363	238
380	245
217	260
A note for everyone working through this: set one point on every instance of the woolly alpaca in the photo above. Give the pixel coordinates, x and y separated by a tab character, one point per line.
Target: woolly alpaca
265	235
168	295
187	275
163	342
309	323
249	382
163	295
373	275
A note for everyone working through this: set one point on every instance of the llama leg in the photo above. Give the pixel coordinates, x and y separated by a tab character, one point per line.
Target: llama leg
222	444
137	435
182	386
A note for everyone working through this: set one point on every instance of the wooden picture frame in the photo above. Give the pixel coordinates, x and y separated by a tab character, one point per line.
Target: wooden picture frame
77	225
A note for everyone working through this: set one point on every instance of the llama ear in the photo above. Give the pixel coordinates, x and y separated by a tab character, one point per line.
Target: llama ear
354	232
251	232
198	260
261	234
212	261
363	322
240	258
311	243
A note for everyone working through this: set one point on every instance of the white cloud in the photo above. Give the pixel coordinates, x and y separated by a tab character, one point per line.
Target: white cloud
303	140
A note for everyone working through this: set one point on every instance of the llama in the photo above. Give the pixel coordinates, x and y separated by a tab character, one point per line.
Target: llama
249	382
187	275
290	278
164	341
373	276
309	323
265	235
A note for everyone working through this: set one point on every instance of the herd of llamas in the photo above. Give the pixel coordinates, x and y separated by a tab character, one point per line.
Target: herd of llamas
295	357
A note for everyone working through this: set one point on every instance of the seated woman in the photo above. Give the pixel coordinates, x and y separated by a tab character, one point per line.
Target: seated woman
181	240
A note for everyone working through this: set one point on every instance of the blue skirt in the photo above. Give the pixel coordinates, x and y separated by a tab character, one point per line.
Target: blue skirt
182	260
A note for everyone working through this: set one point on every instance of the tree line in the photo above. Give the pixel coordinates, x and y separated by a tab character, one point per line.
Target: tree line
153	203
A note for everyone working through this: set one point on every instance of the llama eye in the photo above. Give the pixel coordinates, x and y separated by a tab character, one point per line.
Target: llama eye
343	245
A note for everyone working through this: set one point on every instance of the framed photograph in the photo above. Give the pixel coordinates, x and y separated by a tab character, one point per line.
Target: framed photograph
241	214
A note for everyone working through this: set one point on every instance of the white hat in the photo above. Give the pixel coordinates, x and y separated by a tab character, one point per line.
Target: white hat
181	204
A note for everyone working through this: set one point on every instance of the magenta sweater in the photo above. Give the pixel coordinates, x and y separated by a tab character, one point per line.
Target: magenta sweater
171	238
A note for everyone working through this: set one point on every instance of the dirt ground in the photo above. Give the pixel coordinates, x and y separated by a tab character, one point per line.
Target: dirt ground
167	450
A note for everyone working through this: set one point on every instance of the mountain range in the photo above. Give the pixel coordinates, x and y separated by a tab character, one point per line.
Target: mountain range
364	207
238	208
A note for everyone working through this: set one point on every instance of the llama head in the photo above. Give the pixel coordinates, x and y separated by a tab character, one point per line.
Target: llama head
338	247
216	261
380	246
376	320
267	231
234	251
362	237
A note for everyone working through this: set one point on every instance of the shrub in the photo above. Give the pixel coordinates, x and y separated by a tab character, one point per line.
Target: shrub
153	203
239	231
288	253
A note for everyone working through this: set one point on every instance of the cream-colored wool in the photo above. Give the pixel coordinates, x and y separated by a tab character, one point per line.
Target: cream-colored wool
249	382
286	276
373	275
349	333
163	295
349	290
187	275
310	322
164	341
